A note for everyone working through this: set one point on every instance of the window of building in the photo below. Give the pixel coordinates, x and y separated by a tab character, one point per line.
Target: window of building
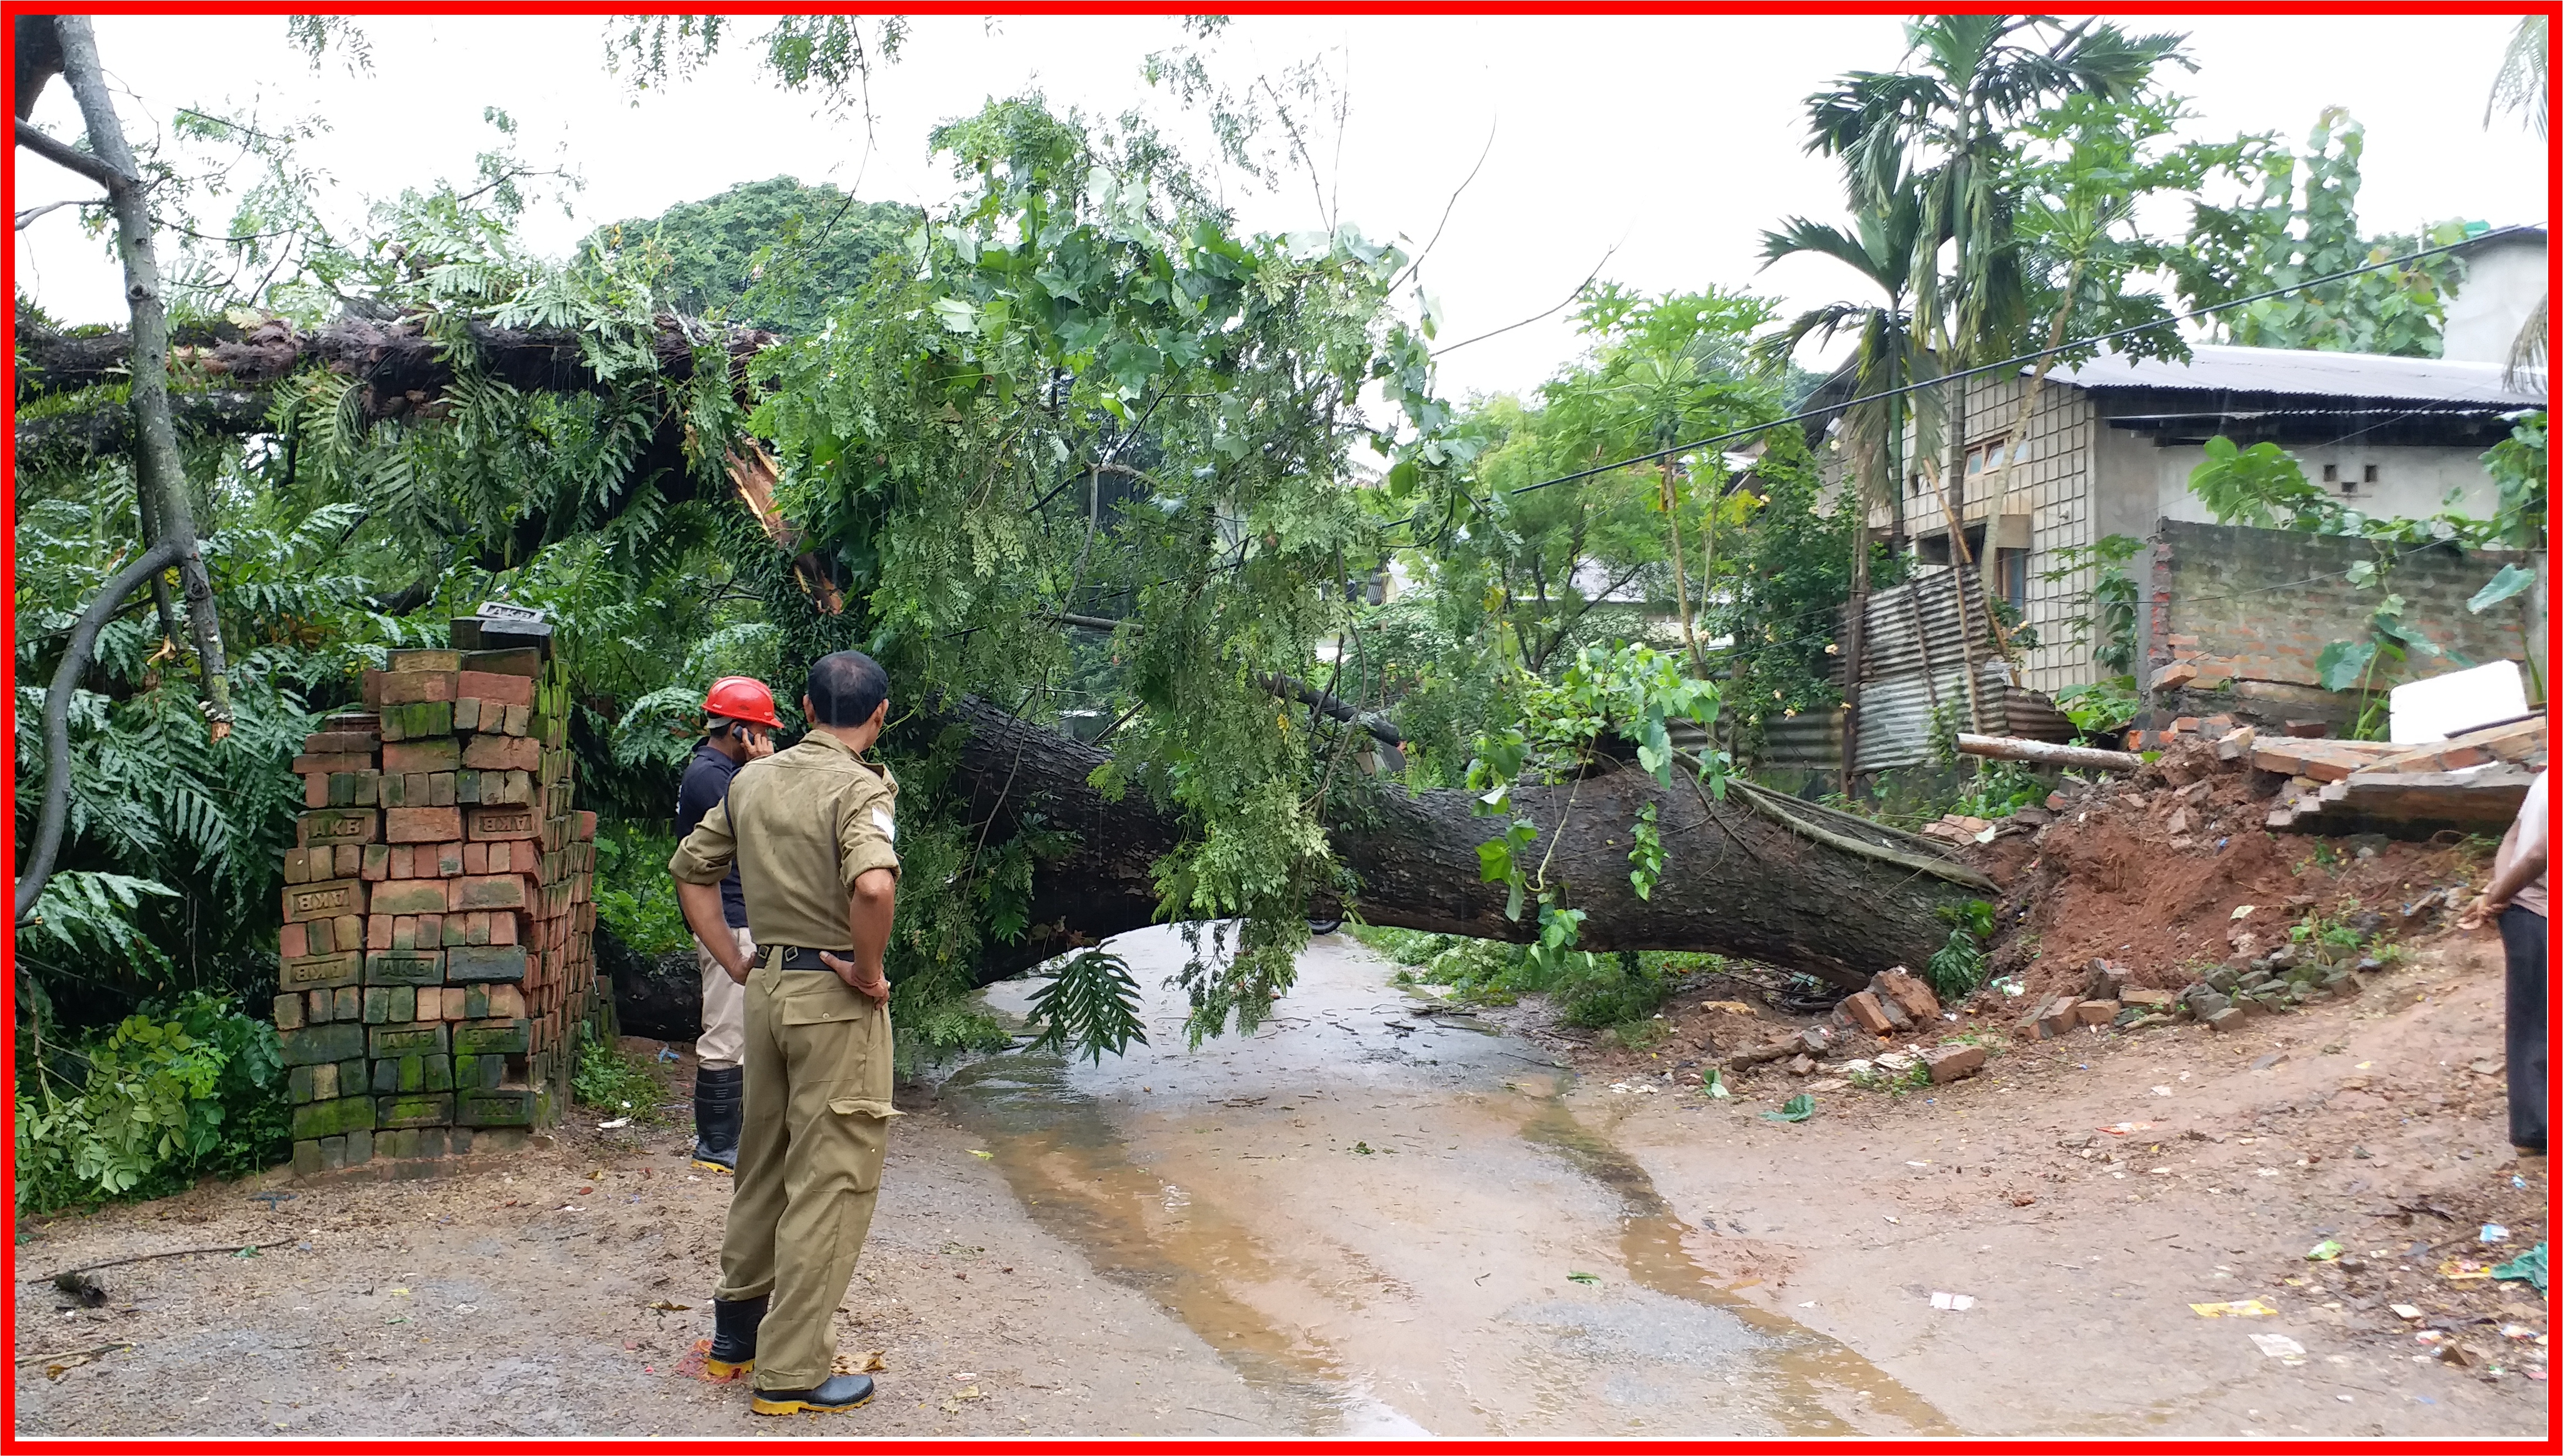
2370	475
2010	575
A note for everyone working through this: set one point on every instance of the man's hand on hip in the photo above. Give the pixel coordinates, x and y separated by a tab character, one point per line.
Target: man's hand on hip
847	972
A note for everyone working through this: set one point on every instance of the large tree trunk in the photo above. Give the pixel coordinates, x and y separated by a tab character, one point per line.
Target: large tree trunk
1735	881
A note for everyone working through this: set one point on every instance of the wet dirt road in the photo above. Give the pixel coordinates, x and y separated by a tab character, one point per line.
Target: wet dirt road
1392	1223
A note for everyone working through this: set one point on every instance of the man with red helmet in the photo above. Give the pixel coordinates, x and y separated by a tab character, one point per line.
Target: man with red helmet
739	724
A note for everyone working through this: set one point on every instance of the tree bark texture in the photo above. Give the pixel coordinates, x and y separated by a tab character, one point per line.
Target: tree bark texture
158	472
1735	881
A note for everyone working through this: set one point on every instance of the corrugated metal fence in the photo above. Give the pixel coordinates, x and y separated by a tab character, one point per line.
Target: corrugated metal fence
1911	666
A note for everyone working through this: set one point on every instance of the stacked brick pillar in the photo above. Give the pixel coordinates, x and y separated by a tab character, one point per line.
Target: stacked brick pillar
435	959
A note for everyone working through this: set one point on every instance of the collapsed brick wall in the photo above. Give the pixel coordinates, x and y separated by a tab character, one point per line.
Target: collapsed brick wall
2240	613
435	962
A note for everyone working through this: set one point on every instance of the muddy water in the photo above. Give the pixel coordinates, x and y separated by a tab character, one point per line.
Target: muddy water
1389	1222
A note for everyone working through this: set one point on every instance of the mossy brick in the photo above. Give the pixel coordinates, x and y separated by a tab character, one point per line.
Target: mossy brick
415	826
440	791
298	1084
350	1078
336	1041
319	1008
496	1072
421	1037
339	789
288	1012
487	892
332	763
360	1146
412	1076
324	899
466	1071
404	1004
490	1108
378	1004
392	688
423	756
374	862
423	659
397	897
385	1076
397	1142
307	1158
494	1038
337	826
467	786
465	964
334	1118
309	973
440	1074
448	862
433	1142
330	1079
418	1109
333	1153
404	968
349	1004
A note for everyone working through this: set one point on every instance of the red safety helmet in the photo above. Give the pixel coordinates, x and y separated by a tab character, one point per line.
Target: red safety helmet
743	699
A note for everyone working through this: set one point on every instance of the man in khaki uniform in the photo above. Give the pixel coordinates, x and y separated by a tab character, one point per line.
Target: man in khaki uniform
812	829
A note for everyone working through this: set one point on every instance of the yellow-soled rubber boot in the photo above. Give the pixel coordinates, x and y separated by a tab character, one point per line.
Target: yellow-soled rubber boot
733	1351
837	1393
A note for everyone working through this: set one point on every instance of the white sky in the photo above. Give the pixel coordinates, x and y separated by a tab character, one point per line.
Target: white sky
1675	140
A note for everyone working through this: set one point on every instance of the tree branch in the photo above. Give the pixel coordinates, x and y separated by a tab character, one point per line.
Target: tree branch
64	154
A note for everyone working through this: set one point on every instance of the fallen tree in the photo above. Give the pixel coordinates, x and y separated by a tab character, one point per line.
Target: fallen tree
1737	880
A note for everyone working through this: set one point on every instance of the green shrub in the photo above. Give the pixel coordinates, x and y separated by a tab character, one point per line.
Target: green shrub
1616	991
163	1098
636	897
608	1081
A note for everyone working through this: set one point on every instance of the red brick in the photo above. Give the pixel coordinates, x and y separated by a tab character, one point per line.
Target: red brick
502	927
1863	1010
475	858
1949	1063
448	860
495	687
516	720
2095	1013
422	756
404	933
410	897
420	825
503	823
488	751
323	901
293	942
315	791
332	763
1909	991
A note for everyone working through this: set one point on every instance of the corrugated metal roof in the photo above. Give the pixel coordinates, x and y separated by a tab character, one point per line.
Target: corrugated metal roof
2233	369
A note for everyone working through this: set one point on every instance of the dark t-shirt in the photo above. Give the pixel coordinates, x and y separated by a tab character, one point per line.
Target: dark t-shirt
706	783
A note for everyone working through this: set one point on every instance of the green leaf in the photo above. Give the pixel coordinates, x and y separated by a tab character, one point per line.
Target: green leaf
1494	860
1796	1110
1091	1004
2340	664
2509	582
1580	1277
2361	573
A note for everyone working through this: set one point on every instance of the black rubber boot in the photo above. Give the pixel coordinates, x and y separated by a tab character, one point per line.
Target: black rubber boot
837	1393
717	1091
734	1323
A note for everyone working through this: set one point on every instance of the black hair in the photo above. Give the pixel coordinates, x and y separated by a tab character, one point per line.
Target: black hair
846	688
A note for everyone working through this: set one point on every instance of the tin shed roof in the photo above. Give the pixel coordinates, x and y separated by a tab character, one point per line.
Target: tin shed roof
2233	369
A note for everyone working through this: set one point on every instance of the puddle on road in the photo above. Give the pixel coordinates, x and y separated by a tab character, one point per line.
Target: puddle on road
1434	1265
1069	1165
1805	1365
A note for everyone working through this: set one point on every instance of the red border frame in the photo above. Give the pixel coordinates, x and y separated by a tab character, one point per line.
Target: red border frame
10	9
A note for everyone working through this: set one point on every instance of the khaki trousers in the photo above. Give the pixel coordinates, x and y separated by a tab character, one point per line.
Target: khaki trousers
815	1126
725	1004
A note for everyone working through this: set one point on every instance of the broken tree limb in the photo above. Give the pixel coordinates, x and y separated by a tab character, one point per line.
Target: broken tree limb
2060	755
1280	685
1735	880
58	707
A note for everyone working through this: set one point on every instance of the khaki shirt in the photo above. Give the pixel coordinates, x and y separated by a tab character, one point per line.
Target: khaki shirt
802	824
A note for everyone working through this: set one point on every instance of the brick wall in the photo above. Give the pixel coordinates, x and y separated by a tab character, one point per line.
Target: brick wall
2256	607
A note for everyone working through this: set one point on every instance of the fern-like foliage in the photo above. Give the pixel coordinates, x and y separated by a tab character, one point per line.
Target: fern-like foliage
1089	1002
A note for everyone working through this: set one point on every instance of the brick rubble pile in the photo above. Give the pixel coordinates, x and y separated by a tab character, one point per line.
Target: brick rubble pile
435	961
